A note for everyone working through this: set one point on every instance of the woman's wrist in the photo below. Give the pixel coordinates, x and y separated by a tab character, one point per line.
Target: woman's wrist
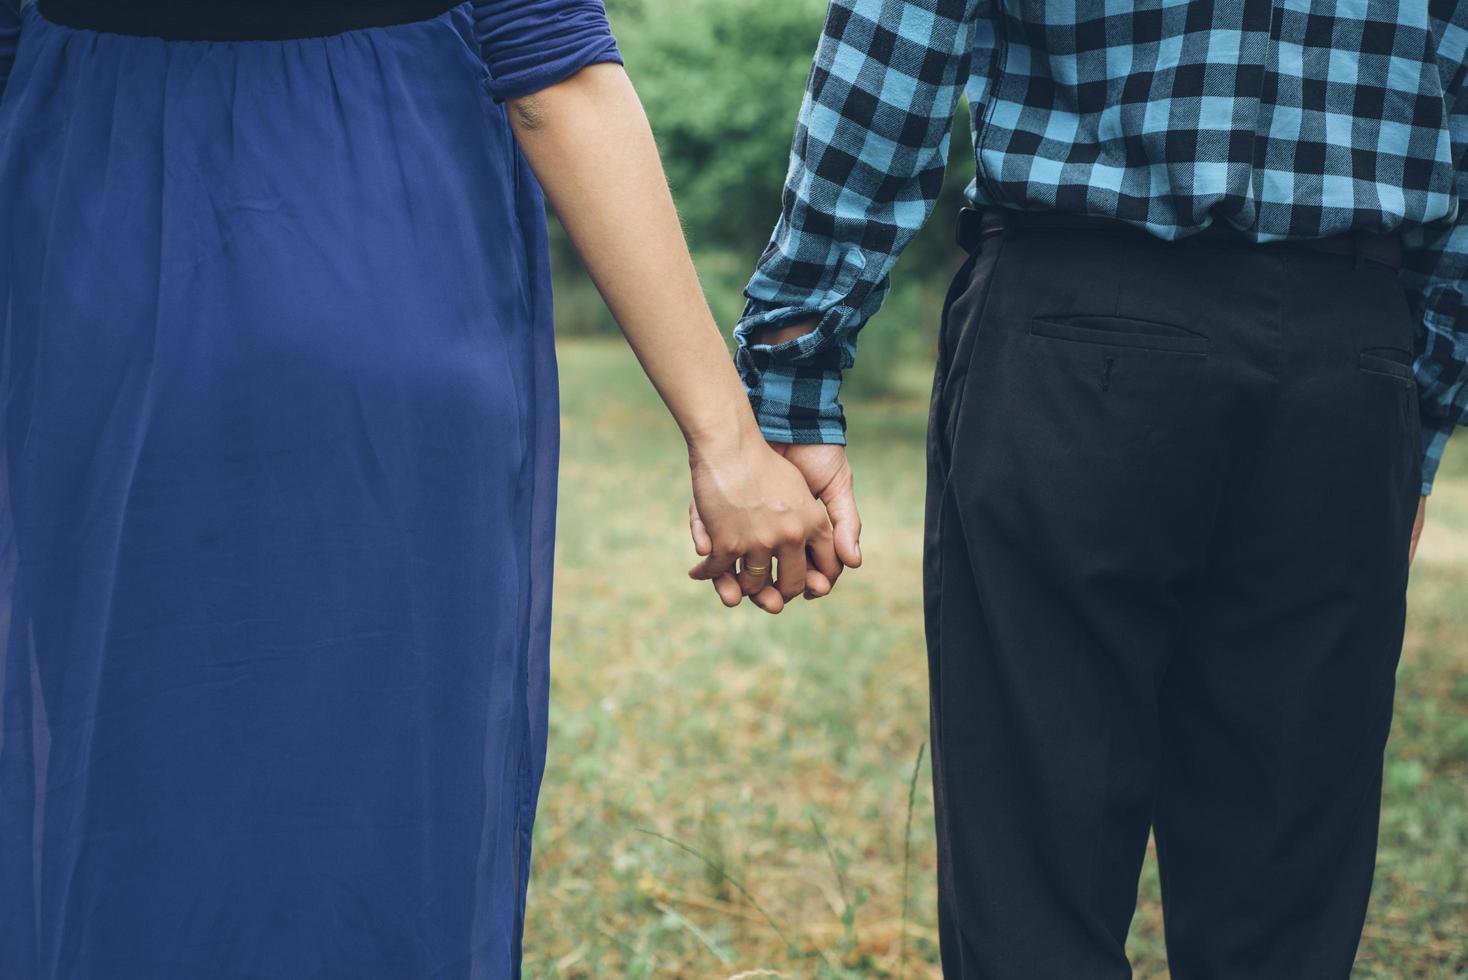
731	434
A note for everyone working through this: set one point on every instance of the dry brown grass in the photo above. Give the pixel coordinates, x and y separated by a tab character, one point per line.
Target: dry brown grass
781	750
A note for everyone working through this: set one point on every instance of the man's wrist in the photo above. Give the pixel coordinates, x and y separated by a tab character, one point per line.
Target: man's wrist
774	336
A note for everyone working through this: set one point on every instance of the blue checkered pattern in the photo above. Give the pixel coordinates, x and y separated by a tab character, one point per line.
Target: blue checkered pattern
1283	118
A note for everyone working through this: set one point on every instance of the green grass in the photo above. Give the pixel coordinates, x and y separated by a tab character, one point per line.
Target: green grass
728	792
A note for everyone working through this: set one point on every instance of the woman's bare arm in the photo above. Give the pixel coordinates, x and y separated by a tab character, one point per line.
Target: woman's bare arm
590	145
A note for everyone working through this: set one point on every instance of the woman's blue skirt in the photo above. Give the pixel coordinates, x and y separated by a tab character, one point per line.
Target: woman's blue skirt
276	508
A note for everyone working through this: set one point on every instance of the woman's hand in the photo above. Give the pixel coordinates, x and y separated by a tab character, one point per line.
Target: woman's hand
760	531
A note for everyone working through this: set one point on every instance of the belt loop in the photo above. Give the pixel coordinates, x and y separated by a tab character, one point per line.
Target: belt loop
968	232
1358	246
977	225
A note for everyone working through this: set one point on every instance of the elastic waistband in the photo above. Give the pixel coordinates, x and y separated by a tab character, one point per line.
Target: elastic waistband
974	225
237	20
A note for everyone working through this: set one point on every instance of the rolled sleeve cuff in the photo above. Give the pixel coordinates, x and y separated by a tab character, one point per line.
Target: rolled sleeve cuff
794	387
1435	433
530	45
603	51
799	405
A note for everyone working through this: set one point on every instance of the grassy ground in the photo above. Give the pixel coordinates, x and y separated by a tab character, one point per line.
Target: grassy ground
728	793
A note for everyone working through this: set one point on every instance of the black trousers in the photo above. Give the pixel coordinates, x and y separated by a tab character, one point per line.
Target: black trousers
1171	490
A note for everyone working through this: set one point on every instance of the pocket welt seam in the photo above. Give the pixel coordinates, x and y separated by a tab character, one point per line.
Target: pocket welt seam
1386	367
1053	330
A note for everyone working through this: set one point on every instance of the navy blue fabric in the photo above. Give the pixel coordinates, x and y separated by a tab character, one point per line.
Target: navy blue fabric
531	44
9	37
277	478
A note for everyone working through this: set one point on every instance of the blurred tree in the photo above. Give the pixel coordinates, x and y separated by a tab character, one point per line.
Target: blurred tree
722	82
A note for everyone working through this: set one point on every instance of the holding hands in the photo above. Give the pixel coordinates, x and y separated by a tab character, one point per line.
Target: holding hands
756	518
757	524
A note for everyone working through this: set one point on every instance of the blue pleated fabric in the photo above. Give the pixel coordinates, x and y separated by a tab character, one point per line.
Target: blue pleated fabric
277	479
534	43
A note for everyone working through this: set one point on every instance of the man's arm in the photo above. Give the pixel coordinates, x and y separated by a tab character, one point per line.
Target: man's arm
1436	276
1436	269
866	167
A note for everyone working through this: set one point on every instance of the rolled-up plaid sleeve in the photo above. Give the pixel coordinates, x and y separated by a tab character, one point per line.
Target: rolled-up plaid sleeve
1439	282
530	45
866	167
1436	270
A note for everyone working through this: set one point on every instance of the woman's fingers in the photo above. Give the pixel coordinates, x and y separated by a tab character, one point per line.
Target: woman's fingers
790	578
756	569
718	562
803	562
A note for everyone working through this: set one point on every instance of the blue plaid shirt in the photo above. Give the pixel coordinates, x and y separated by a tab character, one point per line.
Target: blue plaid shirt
1283	118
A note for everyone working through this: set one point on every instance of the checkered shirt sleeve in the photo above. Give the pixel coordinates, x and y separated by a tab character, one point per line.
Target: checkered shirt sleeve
1286	119
866	167
1436	270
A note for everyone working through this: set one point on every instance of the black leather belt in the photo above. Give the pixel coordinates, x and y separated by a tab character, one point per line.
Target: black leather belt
974	225
237	20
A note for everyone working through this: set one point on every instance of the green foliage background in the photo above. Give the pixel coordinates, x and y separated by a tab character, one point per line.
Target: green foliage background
693	747
722	82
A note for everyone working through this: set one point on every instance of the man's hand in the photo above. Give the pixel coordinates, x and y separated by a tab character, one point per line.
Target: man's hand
1416	530
828	475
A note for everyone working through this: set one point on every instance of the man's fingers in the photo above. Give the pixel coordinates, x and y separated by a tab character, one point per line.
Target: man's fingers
822	559
817	586
1417	530
728	590
845	526
769	599
702	543
791	579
